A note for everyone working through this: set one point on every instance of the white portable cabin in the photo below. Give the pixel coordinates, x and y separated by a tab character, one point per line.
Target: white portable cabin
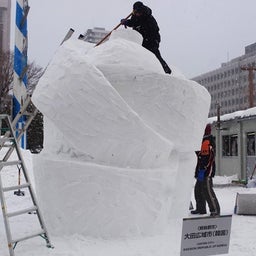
235	137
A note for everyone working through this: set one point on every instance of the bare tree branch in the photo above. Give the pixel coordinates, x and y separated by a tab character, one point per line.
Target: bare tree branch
34	72
6	73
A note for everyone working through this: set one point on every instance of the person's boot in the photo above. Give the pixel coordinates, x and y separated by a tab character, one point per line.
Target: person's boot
198	212
166	68
215	214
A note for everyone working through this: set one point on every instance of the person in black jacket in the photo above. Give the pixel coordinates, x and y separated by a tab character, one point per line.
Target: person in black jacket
143	22
205	171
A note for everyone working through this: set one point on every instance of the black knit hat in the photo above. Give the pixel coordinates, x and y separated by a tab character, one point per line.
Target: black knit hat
138	6
208	129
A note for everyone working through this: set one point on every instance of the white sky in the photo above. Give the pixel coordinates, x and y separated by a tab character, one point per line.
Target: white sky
197	36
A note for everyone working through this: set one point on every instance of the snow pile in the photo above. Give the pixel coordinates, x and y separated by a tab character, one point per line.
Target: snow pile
113	165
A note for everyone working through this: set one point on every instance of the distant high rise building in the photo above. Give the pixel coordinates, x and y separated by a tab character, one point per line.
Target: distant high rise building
5	24
94	35
229	85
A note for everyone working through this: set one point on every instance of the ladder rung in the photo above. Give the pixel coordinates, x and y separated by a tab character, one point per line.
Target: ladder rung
10	163
38	233
7	145
25	185
12	214
4	139
28	113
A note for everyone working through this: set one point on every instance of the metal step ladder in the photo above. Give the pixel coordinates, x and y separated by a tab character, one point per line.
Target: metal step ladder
9	147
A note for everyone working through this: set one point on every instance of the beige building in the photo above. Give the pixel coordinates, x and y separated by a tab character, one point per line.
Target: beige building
94	35
229	85
5	24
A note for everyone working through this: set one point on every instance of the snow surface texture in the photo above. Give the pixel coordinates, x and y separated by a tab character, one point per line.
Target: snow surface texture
242	241
113	165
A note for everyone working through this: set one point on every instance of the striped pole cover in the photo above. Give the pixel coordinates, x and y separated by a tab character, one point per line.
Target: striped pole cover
20	63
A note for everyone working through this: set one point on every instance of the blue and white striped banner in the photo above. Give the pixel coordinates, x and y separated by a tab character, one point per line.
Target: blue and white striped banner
20	63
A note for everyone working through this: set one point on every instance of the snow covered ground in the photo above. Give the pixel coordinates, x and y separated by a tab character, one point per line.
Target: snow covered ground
242	242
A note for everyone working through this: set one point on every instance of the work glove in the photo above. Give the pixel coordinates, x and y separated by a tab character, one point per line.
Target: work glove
124	22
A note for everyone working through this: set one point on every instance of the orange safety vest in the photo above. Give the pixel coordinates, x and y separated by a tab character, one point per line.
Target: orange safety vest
205	148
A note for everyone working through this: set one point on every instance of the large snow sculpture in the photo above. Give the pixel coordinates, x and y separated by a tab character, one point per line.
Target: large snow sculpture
120	137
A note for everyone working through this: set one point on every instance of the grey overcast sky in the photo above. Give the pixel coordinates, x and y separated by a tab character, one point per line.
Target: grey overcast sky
197	35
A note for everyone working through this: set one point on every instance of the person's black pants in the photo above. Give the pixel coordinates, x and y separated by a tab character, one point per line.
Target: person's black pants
163	63
157	53
204	193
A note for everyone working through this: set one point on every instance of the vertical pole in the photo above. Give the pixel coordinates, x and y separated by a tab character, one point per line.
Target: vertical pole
243	159
20	63
251	86
251	95
218	141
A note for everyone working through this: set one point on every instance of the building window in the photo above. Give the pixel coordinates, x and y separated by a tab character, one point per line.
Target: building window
229	145
251	144
225	146
234	146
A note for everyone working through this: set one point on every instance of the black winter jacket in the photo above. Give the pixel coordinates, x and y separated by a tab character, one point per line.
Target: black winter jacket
206	157
147	26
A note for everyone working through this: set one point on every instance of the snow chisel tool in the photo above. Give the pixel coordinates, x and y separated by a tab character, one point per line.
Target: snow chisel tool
68	35
116	27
